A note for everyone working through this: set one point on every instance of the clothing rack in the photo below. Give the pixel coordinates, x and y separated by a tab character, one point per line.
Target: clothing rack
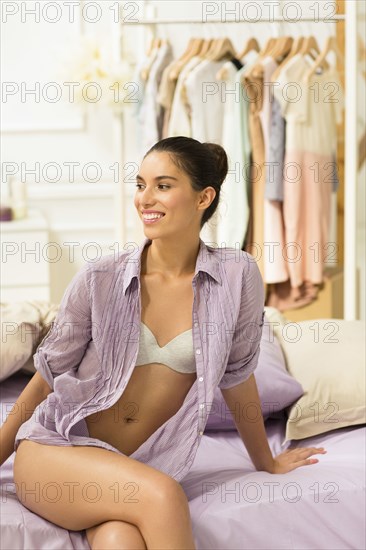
351	144
339	17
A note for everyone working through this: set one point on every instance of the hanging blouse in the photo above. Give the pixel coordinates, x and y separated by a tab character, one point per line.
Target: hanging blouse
312	110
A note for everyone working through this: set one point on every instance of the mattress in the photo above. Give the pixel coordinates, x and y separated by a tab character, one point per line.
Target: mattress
232	505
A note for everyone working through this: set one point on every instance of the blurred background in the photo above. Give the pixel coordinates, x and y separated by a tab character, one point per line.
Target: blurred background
72	132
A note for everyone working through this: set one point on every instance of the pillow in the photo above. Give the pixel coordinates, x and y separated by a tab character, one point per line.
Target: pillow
23	325
327	356
276	387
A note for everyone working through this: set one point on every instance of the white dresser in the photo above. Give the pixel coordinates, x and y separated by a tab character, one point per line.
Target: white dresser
25	259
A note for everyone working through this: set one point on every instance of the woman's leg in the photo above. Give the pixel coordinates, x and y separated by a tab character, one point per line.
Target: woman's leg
80	487
115	535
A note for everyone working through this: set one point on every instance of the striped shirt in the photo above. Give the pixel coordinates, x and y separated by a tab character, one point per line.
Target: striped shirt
90	351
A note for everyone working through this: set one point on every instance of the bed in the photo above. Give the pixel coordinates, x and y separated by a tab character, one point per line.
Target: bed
232	505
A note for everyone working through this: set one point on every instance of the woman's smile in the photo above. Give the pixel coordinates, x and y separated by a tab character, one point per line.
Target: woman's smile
152	218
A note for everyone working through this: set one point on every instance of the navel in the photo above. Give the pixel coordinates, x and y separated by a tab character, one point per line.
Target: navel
129	419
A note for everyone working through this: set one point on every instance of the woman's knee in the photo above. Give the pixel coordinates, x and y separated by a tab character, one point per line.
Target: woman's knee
115	535
168	498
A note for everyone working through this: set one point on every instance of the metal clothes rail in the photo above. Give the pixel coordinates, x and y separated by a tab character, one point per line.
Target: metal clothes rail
332	19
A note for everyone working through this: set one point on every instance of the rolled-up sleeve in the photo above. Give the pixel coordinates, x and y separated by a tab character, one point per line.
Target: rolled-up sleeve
65	343
244	353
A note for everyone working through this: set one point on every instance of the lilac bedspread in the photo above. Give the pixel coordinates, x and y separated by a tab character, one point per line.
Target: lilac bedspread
232	505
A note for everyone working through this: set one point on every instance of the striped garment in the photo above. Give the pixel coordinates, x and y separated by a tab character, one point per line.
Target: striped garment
90	351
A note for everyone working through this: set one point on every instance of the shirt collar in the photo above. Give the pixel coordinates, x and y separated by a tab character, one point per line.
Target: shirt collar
207	261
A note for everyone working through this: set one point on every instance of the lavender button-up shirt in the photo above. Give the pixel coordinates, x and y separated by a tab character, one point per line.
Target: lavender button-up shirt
89	353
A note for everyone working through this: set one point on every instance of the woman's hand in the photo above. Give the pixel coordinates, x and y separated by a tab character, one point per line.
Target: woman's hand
293	458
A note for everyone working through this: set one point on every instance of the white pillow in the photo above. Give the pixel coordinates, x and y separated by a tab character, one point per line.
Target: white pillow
327	357
23	325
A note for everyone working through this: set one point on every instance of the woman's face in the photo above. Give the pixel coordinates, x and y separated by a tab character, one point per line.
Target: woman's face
165	189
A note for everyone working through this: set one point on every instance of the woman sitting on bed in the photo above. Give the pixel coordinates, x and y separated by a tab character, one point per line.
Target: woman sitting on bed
126	375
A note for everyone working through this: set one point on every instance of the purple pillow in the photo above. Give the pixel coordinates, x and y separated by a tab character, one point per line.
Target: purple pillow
276	387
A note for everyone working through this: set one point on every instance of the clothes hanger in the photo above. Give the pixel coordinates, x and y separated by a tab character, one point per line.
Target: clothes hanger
320	61
185	55
282	48
153	50
201	55
256	70
252	44
296	46
194	47
295	49
212	47
206	46
310	46
276	46
267	47
222	49
150	48
154	43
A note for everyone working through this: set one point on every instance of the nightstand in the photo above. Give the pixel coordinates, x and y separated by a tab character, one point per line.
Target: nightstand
25	259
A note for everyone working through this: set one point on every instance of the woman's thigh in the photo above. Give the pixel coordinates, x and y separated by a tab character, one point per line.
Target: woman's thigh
79	487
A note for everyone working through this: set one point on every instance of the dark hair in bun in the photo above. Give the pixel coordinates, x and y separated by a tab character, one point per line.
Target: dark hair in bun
206	164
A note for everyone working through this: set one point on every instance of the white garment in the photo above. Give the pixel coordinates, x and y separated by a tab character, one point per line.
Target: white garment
312	109
203	93
151	112
233	211
180	122
205	96
233	208
137	105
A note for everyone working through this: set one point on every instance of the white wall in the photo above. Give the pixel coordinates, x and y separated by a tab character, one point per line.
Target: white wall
37	131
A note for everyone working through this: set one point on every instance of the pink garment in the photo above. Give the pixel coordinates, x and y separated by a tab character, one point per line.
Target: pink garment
312	109
306	211
283	297
275	265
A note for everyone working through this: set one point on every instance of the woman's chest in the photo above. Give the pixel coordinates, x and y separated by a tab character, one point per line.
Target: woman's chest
166	308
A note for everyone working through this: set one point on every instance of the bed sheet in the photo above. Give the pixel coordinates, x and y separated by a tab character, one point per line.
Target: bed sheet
232	505
320	506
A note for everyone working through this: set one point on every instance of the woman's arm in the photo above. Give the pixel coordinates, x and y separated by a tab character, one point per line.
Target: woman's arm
239	388
61	350
244	398
250	425
33	394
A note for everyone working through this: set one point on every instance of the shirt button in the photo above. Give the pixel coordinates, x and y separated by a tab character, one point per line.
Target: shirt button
198	351
196	324
201	433
202	406
200	378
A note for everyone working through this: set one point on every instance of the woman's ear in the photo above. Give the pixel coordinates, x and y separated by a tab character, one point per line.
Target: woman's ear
206	197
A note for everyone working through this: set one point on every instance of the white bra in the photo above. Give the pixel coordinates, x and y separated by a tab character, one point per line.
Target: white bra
178	354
